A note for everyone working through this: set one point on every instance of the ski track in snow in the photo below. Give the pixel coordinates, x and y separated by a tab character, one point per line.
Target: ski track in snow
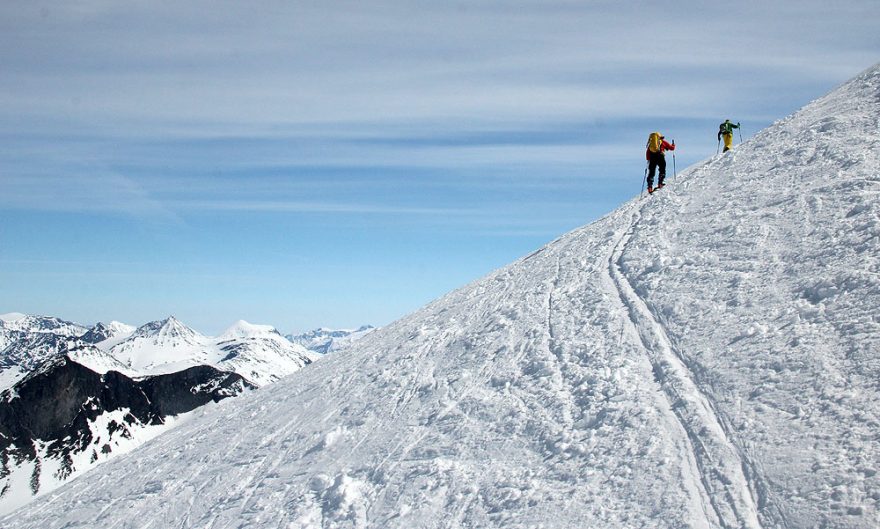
719	469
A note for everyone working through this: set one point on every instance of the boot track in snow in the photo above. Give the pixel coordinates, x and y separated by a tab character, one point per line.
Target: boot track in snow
716	465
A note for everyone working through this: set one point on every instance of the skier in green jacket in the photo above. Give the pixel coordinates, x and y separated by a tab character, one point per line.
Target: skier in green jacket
726	130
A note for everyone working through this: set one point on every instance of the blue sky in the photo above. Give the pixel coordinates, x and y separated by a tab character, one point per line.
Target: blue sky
337	163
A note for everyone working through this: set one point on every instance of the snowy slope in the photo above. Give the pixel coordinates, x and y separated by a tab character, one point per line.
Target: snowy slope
705	357
97	360
7	332
15	326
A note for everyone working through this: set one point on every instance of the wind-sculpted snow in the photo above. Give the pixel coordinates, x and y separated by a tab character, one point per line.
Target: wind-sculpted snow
704	357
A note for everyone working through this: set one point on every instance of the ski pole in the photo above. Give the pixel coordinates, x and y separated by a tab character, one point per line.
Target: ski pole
718	148
673	165
740	134
645	179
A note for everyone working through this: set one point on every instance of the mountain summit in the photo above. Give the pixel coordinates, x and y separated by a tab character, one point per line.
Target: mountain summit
163	346
242	329
705	357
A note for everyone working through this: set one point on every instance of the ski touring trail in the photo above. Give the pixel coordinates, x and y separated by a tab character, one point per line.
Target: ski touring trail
727	498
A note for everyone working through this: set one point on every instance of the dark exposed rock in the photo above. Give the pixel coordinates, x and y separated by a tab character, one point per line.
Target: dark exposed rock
55	405
97	334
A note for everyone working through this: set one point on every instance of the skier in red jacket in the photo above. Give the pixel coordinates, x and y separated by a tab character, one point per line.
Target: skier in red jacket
657	159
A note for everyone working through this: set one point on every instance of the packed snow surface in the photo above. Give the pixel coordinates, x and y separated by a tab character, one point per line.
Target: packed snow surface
704	357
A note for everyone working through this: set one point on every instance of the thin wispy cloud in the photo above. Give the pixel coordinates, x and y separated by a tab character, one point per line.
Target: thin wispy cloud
96	192
295	62
311	207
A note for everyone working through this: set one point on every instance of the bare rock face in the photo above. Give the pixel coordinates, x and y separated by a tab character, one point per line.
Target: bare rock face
65	416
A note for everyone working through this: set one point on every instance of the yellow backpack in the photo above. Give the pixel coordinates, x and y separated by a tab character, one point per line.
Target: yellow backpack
654	142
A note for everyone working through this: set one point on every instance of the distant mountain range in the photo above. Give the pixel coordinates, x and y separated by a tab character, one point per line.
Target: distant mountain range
326	340
74	396
257	352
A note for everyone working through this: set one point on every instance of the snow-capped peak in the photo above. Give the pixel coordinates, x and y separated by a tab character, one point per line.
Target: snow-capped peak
39	324
323	340
107	335
166	344
257	352
169	329
12	317
173	328
242	329
117	327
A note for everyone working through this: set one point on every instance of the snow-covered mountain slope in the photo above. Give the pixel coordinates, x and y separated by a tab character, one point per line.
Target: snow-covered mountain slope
27	341
7	334
15	326
34	324
25	352
99	361
163	346
257	352
106	335
324	340
705	357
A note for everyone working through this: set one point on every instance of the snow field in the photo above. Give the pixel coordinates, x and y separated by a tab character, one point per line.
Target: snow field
790	358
